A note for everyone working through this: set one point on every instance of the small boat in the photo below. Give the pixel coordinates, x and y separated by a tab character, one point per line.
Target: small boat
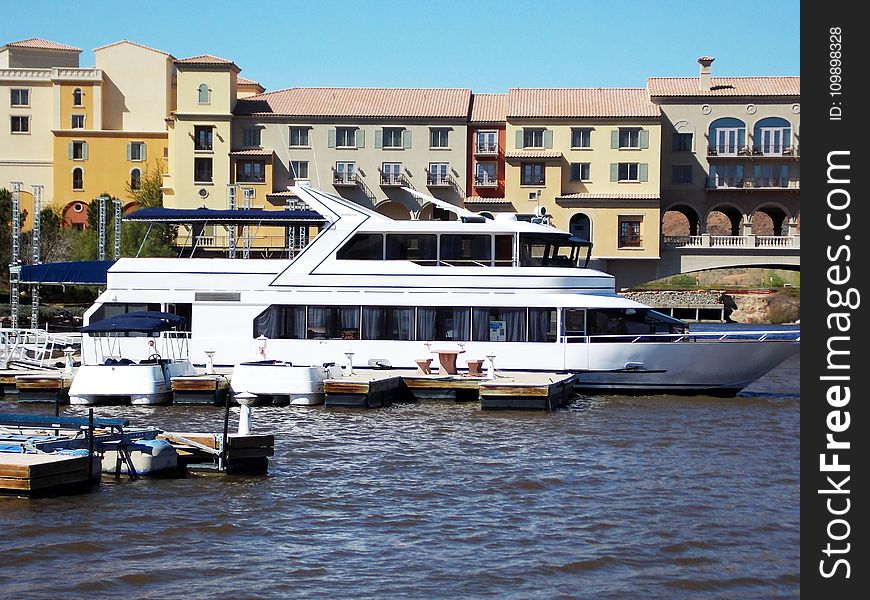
108	378
278	382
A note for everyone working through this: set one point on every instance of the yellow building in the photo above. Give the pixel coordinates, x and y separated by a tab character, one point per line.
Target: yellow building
590	158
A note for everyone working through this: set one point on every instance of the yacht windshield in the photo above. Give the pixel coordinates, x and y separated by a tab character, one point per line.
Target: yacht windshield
553	250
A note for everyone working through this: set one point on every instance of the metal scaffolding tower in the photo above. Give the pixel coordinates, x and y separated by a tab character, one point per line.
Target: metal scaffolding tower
246	230
118	208
37	258
15	262
231	230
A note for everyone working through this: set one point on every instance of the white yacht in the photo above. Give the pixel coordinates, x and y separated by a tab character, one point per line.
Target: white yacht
388	293
109	375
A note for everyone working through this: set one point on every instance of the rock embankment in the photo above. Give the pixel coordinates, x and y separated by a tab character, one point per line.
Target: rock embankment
763	306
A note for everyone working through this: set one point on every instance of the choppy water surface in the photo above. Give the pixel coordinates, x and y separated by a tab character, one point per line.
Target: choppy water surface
614	497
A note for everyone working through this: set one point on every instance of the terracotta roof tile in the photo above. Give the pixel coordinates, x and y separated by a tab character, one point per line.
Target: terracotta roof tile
482	200
488	108
253	152
580	103
611	196
359	102
245	81
135	44
205	59
543	154
42	45
725	86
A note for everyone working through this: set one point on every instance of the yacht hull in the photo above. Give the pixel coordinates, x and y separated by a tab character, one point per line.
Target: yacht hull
136	384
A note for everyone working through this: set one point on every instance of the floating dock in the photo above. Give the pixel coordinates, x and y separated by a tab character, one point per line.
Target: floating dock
50	386
43	474
208	390
513	391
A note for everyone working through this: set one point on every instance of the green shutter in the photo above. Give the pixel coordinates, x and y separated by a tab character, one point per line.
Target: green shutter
642	172
144	152
84	151
406	139
360	138
70	150
548	138
331	142
614	138
519	138
644	138
129	150
614	172
379	138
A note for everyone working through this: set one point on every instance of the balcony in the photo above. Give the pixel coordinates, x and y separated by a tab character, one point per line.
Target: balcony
393	180
758	183
344	179
774	151
441	181
486	149
731	241
728	151
485	182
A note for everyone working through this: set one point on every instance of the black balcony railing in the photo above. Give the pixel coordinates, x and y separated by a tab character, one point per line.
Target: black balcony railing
485	181
391	179
486	148
438	180
339	178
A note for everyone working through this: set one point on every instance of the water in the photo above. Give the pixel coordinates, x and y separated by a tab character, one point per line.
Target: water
613	497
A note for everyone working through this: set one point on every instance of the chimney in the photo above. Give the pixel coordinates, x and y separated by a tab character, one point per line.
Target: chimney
705	79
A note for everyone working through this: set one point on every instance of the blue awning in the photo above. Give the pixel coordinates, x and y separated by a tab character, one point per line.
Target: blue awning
208	215
82	272
147	321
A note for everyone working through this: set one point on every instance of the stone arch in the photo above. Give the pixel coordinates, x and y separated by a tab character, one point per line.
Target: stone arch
769	218
723	219
75	214
394	210
580	226
681	220
427	212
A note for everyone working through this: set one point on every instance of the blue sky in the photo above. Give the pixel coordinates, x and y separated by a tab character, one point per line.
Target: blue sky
485	45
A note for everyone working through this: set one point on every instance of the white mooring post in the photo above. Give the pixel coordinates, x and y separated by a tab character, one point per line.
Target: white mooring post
490	367
209	365
245	400
68	360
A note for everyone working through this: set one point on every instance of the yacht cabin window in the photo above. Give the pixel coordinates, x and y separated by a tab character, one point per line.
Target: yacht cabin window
466	250
363	246
421	248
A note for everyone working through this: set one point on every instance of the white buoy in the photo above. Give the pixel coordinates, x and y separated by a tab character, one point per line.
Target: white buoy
349	356
490	368
209	365
245	400
68	361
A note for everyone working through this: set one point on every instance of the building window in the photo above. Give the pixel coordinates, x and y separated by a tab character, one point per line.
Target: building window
299	169
204	94
532	174
681	174
628	172
136	151
682	142
580	171
299	136
485	174
202	137
251	137
202	170
533	138
345	172
19	97
391	173
20	124
581	137
487	142
77	97
438	173
78	150
727	137
251	171
135	180
78	177
629	232
439	137
629	137
392	137
345	137
77	121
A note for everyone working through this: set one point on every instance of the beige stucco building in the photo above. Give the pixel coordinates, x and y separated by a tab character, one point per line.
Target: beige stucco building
590	158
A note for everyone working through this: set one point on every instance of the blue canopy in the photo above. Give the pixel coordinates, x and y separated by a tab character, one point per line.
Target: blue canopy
208	215
147	321
82	272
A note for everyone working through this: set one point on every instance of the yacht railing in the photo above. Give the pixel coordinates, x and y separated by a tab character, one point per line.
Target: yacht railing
34	347
783	335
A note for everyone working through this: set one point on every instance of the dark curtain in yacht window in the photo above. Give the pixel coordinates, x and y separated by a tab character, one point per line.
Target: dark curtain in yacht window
443	323
281	322
388	323
539	325
514	323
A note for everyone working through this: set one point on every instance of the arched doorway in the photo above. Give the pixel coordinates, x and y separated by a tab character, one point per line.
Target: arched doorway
724	220
580	226
393	210
769	220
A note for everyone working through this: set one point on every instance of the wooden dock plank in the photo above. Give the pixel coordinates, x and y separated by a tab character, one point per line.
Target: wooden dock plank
39	465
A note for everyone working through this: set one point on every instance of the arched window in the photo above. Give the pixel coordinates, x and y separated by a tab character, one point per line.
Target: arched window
204	94
77	97
135	180
772	137
727	137
581	227
78	178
